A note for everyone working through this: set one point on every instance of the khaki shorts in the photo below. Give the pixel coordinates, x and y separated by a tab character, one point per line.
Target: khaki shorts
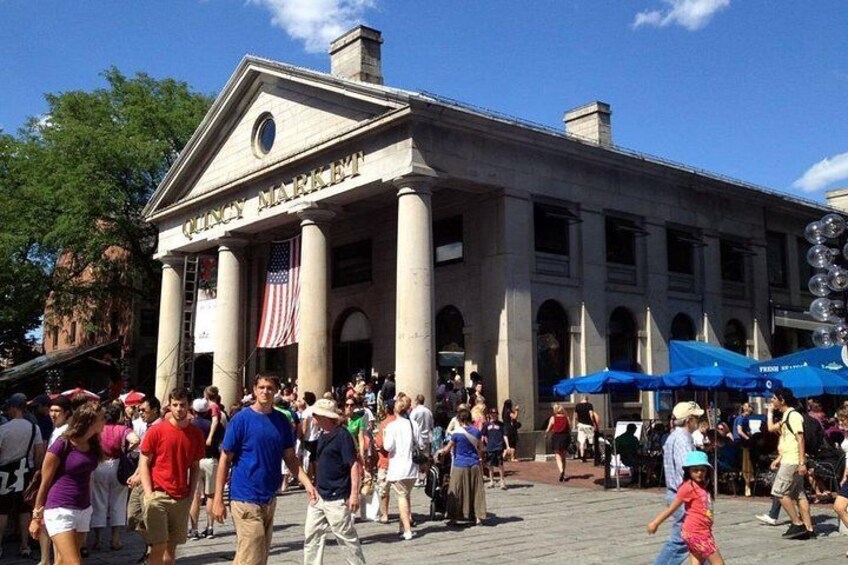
254	528
403	487
788	482
208	469
585	433
165	518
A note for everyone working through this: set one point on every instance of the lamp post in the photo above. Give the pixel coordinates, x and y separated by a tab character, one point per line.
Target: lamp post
830	283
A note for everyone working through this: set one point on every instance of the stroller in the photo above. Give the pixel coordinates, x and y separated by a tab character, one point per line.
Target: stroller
436	485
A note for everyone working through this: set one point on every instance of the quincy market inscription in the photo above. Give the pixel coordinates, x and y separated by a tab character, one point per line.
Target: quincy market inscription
305	183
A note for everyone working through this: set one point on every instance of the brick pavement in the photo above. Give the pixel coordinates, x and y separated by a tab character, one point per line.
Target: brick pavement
538	521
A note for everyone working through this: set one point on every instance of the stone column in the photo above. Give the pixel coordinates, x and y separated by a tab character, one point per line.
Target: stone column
313	347
170	326
415	363
227	339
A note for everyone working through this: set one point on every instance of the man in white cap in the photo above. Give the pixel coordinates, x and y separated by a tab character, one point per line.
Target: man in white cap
337	482
678	444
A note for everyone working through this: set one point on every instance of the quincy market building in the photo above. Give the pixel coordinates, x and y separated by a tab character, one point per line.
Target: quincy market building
438	236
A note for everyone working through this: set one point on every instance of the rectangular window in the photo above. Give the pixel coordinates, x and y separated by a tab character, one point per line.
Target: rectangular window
680	249
447	240
72	335
148	322
352	263
776	256
732	262
621	240
550	229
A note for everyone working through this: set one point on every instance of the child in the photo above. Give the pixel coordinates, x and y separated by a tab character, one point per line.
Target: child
694	492
496	443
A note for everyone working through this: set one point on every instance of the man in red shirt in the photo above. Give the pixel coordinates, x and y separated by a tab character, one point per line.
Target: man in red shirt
168	467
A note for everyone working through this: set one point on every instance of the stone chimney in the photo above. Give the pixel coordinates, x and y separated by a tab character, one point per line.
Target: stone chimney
837	199
591	122
356	55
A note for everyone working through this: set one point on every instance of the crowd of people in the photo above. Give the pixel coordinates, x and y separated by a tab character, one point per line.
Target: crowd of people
105	468
798	449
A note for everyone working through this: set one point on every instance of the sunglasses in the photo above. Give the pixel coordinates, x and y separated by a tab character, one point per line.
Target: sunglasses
349	404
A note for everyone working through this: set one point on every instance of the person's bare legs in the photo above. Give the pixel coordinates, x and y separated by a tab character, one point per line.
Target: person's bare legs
24	519
405	510
789	506
804	506
45	545
115	543
716	559
67	548
840	506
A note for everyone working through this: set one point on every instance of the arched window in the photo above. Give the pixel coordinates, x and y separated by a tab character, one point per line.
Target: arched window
552	348
351	346
450	340
735	338
623	348
683	328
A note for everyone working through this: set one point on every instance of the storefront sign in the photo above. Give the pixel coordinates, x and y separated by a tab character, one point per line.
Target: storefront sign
306	183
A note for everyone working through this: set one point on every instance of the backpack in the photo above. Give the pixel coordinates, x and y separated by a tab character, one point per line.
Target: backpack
814	440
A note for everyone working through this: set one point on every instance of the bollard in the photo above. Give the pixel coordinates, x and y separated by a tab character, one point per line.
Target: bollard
597	449
607	459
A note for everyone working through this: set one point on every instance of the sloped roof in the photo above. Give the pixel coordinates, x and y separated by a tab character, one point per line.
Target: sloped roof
398	97
51	360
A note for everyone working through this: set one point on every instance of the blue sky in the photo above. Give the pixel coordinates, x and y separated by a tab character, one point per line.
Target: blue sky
753	89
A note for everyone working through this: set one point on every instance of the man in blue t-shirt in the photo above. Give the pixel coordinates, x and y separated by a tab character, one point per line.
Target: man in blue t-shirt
337	479
496	442
257	438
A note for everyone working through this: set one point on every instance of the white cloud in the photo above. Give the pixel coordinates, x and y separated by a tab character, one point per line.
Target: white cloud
691	14
315	22
824	173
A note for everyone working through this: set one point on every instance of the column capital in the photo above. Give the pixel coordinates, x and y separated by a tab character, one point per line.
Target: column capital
230	243
170	258
414	184
311	213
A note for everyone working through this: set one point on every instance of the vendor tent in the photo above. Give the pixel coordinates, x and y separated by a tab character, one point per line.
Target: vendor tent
809	381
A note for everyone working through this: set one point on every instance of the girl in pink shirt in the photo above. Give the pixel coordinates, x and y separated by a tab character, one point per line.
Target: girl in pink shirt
694	493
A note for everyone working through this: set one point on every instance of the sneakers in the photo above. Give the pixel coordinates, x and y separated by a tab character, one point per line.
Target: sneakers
194	535
407	535
766	519
209	533
796	531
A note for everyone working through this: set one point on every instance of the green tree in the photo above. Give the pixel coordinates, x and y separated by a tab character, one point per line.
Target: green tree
72	187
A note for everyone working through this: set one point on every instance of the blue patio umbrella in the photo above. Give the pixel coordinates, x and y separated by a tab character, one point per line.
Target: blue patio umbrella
716	377
808	381
606	381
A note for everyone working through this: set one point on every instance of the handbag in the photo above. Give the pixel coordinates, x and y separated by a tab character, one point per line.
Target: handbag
31	492
417	457
127	464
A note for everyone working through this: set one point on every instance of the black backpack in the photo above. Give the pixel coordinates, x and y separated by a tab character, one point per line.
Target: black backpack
814	440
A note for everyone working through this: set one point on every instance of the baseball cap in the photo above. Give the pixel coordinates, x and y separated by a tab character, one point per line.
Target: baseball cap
683	410
17	400
200	405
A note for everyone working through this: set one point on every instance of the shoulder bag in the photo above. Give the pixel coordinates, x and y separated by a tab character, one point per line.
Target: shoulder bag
417	457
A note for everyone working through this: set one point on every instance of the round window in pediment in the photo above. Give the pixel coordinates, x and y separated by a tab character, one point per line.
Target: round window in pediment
265	134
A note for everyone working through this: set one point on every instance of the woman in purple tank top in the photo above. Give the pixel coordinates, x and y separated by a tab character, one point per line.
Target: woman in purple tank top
63	503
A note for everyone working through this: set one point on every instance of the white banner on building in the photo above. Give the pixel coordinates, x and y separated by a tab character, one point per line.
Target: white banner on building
204	314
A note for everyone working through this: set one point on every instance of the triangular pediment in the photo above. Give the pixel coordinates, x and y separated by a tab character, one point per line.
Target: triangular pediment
308	108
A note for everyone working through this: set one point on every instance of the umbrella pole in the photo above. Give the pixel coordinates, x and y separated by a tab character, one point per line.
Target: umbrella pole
715	448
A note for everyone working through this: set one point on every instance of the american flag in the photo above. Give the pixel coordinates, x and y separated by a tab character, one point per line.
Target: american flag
280	311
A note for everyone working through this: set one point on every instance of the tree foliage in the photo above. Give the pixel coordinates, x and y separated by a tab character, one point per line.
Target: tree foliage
72	187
